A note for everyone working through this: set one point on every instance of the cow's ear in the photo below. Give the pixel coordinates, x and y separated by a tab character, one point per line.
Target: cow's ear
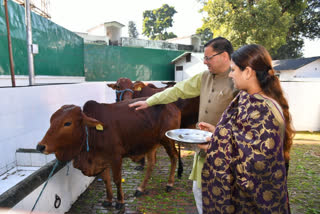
113	86
138	86
91	122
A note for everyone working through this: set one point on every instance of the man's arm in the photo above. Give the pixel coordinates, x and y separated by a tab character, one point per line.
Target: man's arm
185	89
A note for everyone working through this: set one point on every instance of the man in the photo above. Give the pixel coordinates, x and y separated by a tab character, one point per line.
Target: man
216	92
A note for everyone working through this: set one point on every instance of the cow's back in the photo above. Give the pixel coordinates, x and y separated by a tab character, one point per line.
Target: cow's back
131	129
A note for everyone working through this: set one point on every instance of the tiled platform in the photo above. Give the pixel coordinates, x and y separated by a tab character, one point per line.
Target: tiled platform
27	162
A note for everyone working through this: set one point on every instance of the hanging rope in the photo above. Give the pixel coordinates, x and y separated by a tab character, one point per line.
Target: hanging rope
50	175
87	138
55	166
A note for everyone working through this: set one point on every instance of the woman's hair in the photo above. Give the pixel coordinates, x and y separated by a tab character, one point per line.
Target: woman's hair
258	58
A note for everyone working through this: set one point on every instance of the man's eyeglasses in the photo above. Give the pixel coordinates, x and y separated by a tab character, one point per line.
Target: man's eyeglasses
207	58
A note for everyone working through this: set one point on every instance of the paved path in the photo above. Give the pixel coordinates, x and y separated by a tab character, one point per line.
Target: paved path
157	200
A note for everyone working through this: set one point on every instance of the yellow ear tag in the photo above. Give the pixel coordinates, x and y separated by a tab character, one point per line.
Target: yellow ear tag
99	127
139	89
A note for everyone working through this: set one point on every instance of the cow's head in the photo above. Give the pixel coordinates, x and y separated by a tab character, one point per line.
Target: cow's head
123	88
67	133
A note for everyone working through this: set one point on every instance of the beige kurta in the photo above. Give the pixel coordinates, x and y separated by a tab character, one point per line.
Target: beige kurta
217	92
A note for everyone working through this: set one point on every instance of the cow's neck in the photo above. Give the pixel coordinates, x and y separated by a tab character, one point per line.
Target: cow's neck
90	160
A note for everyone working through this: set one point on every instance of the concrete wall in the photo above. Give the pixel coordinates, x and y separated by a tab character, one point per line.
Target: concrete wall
196	42
132	42
113	33
88	38
25	113
67	184
311	70
99	31
304	104
190	68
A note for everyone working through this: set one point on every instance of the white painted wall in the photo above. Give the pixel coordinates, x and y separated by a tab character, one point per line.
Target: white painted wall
183	40
190	68
287	75
114	33
311	70
67	184
132	42
304	104
25	113
196	42
99	31
88	38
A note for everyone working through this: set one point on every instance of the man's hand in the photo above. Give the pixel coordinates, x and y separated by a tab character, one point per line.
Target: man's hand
139	105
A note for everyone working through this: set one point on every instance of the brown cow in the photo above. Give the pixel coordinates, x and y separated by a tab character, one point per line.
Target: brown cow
189	108
125	89
126	133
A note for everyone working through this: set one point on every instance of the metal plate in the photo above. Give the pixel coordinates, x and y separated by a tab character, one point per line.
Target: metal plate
188	135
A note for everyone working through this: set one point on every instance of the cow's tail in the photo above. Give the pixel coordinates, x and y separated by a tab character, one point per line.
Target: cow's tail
180	166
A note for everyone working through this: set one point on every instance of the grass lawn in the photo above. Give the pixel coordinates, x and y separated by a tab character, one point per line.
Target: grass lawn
304	174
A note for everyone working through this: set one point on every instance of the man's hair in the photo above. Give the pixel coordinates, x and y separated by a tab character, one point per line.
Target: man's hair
220	44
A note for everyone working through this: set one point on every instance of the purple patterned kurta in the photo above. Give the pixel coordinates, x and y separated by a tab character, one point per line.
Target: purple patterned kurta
245	168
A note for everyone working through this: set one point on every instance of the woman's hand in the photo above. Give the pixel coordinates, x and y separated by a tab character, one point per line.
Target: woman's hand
203	146
206	127
139	105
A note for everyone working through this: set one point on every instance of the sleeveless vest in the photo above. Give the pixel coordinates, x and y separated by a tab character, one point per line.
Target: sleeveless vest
217	91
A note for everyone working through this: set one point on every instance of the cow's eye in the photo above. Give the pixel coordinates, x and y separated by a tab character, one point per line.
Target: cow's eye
67	124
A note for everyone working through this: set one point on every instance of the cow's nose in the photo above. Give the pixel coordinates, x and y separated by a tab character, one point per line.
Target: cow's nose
41	148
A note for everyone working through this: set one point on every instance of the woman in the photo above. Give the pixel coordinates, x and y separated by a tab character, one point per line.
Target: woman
245	168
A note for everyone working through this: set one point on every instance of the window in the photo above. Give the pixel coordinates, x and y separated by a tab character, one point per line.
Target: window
179	68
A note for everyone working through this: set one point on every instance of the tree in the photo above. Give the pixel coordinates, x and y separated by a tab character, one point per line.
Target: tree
157	21
305	25
265	22
133	33
205	34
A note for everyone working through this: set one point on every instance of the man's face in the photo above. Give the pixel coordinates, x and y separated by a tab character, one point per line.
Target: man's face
214	60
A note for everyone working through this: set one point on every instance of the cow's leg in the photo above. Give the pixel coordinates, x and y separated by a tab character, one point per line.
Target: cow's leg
107	180
116	172
150	165
173	155
141	163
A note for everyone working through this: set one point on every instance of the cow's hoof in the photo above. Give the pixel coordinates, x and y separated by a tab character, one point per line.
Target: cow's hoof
169	188
139	168
119	206
138	193
107	204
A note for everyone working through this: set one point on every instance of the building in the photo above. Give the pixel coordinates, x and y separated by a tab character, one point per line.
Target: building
298	69
187	65
110	32
194	40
